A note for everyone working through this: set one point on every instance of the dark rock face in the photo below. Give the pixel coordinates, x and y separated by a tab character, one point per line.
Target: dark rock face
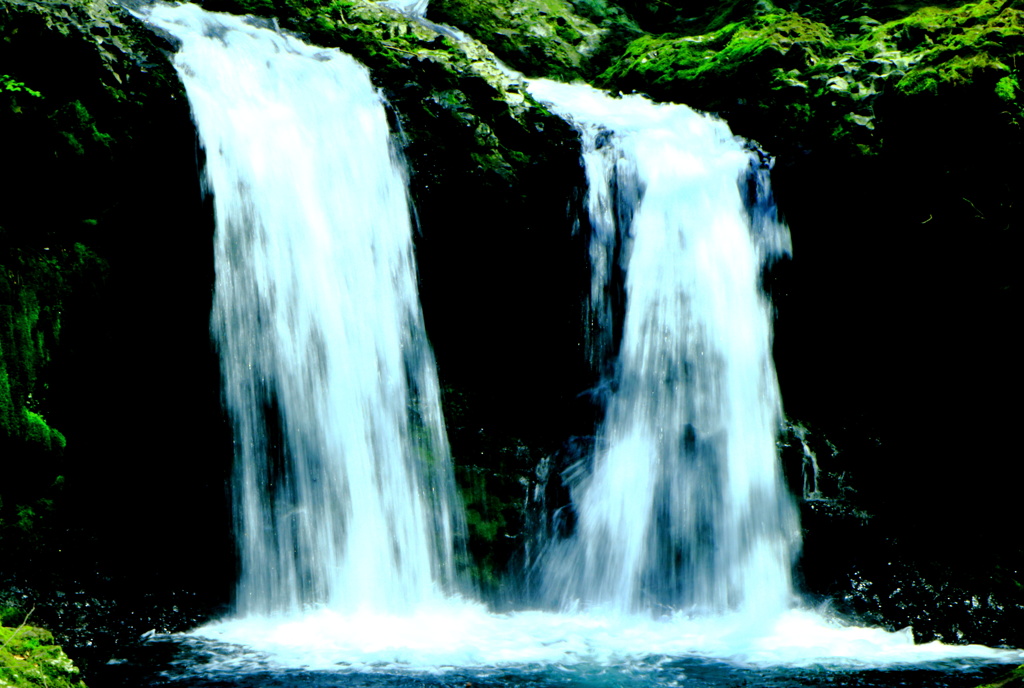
105	214
104	244
895	565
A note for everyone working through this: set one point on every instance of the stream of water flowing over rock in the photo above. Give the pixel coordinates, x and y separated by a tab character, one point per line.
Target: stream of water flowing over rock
345	509
685	506
343	487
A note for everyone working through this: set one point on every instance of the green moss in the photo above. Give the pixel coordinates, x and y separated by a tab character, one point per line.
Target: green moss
919	82
964	70
30	659
79	129
494	473
1007	88
41	434
538	37
10	615
34	284
781	77
12	85
482	527
31	285
954	46
689	61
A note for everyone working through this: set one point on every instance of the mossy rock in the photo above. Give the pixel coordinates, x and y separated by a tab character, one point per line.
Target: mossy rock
33	285
765	49
539	37
434	80
65	127
492	473
30	659
787	80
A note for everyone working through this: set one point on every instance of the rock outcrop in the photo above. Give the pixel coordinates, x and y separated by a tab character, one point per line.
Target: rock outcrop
29	658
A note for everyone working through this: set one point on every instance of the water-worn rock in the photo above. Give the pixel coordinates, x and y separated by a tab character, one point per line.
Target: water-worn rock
1014	679
869	563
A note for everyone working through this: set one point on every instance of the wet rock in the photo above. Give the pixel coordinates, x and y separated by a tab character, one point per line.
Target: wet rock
1014	679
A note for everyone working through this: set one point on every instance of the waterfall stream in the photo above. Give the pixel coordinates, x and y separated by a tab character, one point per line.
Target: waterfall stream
343	487
685	505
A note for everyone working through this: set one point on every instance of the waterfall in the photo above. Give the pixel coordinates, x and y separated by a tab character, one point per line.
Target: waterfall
342	488
684	506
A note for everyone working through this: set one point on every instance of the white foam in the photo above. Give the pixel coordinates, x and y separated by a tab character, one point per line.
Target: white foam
465	635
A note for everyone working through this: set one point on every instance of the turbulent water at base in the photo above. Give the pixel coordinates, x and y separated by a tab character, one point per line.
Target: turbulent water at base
459	644
343	486
684	507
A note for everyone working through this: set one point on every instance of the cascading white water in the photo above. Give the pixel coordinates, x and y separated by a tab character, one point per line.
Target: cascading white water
343	483
684	506
343	487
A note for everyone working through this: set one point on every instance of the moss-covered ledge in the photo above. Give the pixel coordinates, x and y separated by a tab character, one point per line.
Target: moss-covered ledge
449	94
29	658
539	37
783	78
390	43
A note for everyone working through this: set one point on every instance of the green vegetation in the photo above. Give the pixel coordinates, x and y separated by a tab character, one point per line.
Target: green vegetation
33	286
539	37
487	518
955	43
827	78
494	474
78	128
1007	89
780	43
30	659
9	83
